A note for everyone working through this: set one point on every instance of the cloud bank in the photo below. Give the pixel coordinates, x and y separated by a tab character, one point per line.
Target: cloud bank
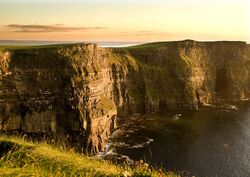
22	28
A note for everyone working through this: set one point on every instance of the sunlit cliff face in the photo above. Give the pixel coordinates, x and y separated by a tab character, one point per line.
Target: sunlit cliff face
130	20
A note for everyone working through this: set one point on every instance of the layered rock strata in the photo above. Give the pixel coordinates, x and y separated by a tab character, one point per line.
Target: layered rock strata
79	90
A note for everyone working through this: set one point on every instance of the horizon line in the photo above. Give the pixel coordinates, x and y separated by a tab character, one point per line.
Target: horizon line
122	41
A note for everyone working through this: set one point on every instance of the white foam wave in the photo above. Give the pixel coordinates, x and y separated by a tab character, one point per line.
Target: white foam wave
224	106
143	144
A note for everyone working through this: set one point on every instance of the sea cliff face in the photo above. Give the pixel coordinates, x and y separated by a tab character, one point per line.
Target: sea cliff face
78	91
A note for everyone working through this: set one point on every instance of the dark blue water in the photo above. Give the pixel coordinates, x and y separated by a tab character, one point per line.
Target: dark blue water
214	141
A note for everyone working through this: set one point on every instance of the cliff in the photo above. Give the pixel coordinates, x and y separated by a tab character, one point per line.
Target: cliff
77	91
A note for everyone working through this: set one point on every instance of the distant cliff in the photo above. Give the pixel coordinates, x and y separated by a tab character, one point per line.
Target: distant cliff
79	90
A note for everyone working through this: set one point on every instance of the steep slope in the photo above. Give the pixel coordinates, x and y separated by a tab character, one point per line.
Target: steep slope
75	92
62	91
187	74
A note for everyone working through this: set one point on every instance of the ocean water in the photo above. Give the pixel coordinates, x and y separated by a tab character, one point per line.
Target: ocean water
213	141
100	43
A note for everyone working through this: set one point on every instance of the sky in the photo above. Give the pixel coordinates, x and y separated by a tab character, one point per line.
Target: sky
125	20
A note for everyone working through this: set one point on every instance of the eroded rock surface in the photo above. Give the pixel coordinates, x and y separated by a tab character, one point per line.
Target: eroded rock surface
79	90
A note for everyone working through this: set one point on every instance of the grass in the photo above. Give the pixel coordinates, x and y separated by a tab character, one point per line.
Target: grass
15	47
20	157
156	44
149	45
23	46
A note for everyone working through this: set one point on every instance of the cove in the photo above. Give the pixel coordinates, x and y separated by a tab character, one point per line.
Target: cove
213	141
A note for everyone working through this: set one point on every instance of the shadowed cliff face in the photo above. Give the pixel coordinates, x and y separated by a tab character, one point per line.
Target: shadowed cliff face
183	75
77	91
65	92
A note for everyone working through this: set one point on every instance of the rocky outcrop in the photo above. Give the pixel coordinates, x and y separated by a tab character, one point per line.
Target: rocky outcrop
63	91
78	90
186	74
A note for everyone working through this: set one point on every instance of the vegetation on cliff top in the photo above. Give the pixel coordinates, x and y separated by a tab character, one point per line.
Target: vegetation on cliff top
15	47
20	157
149	45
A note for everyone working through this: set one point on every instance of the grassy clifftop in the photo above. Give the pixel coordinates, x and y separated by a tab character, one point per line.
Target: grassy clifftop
16	47
20	157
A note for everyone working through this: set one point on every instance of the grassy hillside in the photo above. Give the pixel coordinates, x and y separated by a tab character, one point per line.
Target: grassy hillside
20	157
149	45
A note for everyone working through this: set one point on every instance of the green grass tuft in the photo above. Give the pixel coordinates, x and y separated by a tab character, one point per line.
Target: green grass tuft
20	157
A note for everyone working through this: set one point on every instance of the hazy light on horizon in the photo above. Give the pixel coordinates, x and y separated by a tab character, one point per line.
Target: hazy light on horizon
129	20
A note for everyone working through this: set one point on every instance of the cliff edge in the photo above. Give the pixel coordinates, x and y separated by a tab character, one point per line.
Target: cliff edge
77	91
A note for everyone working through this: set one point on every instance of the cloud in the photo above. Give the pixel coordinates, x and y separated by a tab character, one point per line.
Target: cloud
47	28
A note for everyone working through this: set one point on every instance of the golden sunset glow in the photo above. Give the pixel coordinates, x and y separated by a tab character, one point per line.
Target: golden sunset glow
128	20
